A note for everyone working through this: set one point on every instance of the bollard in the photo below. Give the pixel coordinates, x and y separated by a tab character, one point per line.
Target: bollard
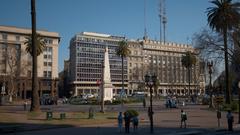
62	116
49	115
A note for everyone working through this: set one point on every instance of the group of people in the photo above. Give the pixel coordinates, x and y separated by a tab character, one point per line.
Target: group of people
230	120
127	119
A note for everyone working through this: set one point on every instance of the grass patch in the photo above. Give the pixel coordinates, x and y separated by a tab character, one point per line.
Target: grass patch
34	114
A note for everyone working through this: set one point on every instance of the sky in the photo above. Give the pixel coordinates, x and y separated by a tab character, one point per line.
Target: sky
114	17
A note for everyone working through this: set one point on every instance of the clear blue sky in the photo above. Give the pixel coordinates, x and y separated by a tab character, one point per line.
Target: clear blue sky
115	17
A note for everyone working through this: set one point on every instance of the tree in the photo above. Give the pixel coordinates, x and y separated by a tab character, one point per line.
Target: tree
188	60
224	16
40	44
12	59
35	106
123	51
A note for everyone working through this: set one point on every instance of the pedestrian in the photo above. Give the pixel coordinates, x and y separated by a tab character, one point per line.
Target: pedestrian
120	121
183	103
144	102
135	123
183	118
230	120
25	105
127	122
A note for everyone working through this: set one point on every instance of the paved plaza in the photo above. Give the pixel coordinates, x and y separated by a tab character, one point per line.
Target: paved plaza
201	120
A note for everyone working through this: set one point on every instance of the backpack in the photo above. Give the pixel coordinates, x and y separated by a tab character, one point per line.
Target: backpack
184	116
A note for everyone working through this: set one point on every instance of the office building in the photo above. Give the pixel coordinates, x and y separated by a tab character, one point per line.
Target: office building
163	60
147	56
86	63
16	63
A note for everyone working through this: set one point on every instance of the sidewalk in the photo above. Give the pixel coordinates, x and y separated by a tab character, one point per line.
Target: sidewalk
16	128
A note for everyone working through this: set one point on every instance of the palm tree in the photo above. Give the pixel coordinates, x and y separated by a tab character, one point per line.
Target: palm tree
39	45
223	17
188	60
123	51
39	42
32	45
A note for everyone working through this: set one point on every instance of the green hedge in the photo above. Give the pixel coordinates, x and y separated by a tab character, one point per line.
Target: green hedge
233	106
132	113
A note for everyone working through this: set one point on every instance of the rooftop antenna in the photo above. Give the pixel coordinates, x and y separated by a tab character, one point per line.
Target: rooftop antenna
160	18
145	28
164	21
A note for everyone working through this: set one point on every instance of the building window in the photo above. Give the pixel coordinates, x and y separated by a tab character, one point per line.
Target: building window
135	52
4	36
44	73
49	74
17	38
29	73
49	63
48	41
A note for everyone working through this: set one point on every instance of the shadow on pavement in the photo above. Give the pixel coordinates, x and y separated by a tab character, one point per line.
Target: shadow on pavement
6	128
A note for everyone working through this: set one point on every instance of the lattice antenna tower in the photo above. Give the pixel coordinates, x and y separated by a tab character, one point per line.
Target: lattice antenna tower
160	15
145	27
164	21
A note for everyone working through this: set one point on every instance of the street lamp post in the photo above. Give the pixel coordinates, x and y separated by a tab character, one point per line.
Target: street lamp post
210	64
150	81
239	103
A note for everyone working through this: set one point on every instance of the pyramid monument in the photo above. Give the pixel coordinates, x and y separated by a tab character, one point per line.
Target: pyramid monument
106	85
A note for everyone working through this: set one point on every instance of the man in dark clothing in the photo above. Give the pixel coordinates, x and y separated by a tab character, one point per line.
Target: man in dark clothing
127	122
230	120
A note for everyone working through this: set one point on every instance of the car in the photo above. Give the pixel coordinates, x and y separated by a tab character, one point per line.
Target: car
90	96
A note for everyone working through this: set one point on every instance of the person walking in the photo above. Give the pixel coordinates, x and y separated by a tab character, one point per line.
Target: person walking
183	118
135	123
25	105
144	102
127	122
120	121
230	120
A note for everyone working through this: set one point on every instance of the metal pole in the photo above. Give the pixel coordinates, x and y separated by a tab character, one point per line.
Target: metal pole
239	102
151	110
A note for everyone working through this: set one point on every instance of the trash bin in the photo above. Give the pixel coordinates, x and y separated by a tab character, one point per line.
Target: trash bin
62	116
49	115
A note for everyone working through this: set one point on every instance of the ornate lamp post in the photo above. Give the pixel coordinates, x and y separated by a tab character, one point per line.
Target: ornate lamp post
210	64
150	81
239	103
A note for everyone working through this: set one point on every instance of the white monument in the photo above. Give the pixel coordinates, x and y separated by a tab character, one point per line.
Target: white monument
106	85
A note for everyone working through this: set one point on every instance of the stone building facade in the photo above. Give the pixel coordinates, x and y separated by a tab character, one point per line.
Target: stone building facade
163	60
147	56
16	63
